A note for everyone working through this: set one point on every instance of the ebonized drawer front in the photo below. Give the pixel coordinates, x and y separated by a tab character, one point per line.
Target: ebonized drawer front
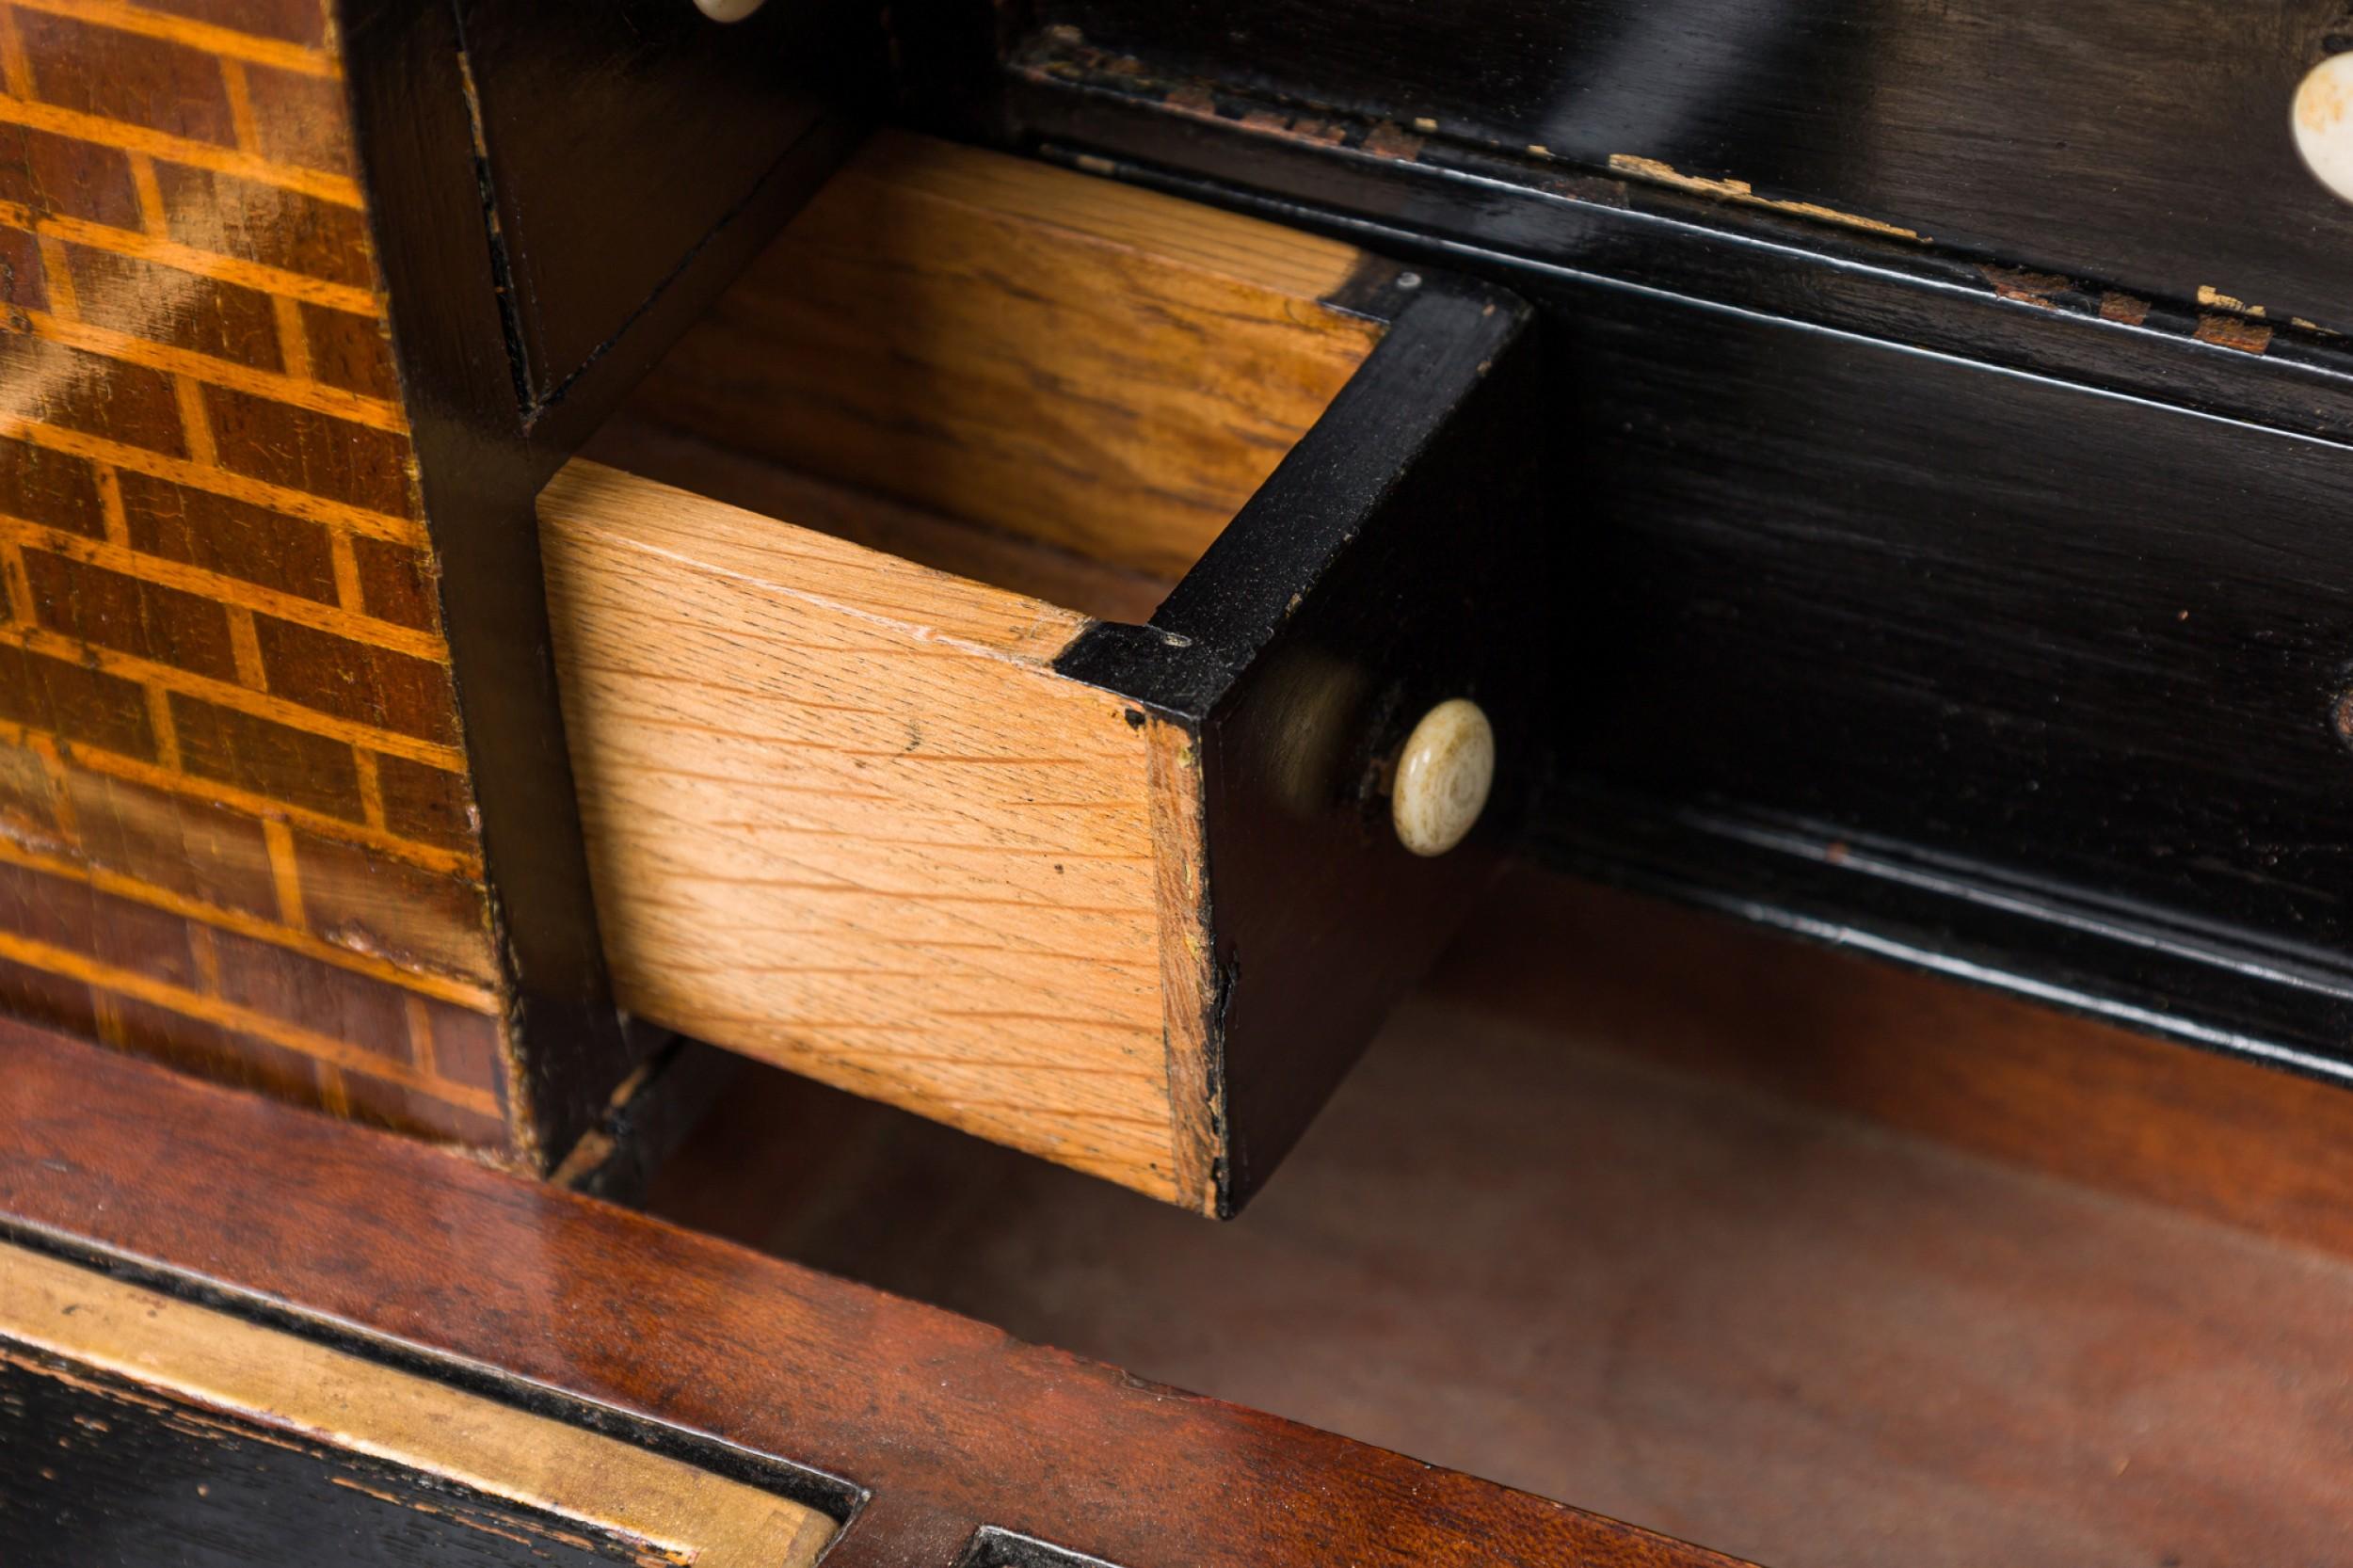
987	638
2009	641
2050	681
2145	143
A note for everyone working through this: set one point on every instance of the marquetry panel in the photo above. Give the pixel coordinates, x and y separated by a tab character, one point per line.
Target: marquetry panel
235	829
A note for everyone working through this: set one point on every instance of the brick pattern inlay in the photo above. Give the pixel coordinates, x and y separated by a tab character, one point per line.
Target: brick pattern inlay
236	830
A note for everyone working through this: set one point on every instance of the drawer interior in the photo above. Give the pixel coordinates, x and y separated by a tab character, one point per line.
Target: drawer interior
1040	380
809	589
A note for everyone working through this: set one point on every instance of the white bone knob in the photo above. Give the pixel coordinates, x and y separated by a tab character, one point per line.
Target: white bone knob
2323	119
728	10
1443	776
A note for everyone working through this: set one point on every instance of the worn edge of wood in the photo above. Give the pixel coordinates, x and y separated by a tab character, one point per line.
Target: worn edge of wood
413	109
590	511
330	1396
1283	261
644	517
1196	1099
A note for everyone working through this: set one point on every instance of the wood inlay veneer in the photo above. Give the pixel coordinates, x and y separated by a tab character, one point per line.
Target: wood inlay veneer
226	717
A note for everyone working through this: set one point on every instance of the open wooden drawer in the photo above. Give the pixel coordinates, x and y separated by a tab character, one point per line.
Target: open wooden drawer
989	640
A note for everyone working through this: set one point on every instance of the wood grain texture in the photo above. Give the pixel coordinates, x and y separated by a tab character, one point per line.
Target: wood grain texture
1020	347
664	1510
1189	989
529	288
237	830
948	1424
850	820
1060	577
843	816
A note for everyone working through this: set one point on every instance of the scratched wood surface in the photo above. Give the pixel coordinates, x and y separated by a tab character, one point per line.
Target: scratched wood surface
130	1393
1042	352
236	819
1905	560
843	816
2146	143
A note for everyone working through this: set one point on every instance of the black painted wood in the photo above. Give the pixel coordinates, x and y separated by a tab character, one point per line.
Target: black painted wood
2143	142
1376	573
1973	629
555	192
651	1117
1237	149
96	1473
477	476
616	137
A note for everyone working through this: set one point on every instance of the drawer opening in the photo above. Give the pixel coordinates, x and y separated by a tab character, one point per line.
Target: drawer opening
893	612
1033	378
1765	1246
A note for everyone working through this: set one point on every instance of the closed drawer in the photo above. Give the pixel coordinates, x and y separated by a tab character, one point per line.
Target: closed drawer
989	641
2147	146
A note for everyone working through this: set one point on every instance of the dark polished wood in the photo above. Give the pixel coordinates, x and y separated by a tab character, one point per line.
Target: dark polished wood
1374	575
2143	144
1791	1252
1990	622
621	141
948	1424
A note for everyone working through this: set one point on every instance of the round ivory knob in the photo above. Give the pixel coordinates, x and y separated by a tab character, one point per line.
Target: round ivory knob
1443	776
726	10
2323	119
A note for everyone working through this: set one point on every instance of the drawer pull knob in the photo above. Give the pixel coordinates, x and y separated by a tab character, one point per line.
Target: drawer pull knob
728	10
1443	776
2323	119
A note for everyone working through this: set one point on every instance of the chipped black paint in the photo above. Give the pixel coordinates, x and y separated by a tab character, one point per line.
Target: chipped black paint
1878	555
96	1473
1373	575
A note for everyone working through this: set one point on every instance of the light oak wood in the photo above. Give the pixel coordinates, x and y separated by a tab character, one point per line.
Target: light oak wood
841	815
911	532
276	1380
840	812
1181	855
1044	353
